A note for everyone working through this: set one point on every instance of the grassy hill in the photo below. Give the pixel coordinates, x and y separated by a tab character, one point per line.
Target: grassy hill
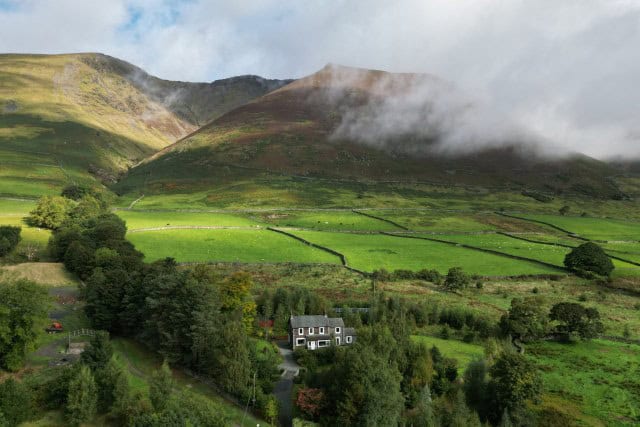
292	132
75	118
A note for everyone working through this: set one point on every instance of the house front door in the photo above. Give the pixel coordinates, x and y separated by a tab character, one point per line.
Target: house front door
312	345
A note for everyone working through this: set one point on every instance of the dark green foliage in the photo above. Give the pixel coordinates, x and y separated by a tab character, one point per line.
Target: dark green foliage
456	279
23	312
16	402
475	385
564	210
526	319
113	388
366	390
161	387
589	258
79	259
99	351
9	238
50	212
82	398
514	381
454	412
574	318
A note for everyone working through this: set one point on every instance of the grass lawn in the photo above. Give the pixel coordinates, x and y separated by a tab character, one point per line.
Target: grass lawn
12	212
371	252
226	245
593	228
139	219
44	273
600	379
461	351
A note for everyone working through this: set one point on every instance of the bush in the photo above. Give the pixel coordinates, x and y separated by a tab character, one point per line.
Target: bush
589	258
9	238
456	279
479	285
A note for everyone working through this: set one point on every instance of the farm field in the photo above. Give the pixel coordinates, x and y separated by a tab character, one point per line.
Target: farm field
226	245
501	243
593	228
626	250
372	252
438	221
138	219
603	382
327	220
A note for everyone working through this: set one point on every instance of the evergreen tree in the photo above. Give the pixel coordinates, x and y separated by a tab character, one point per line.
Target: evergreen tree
161	387
113	388
82	398
99	352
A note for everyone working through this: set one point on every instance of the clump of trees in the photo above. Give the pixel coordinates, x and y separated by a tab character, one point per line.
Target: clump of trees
527	320
588	260
9	238
425	274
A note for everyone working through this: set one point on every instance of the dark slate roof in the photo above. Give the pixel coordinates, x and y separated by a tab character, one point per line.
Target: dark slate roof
316	321
350	331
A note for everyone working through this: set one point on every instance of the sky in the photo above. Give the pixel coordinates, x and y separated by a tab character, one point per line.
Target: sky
568	70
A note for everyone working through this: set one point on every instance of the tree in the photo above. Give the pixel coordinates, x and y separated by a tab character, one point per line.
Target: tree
310	401
83	397
575	318
113	388
9	238
564	210
99	352
456	279
475	385
50	212
514	381
271	409
23	312
161	387
526	319
589	258
16	402
365	388
235	294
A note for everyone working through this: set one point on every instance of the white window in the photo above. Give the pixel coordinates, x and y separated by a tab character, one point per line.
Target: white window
323	343
348	339
300	341
337	340
301	331
337	330
321	330
310	331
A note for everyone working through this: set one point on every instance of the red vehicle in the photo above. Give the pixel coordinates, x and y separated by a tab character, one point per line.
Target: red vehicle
55	328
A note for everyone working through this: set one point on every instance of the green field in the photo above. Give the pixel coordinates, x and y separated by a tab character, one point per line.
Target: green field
372	252
602	382
138	219
326	220
226	245
626	250
463	352
437	221
501	243
593	228
12	212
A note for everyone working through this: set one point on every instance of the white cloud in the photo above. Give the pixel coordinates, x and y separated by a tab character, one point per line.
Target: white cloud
565	69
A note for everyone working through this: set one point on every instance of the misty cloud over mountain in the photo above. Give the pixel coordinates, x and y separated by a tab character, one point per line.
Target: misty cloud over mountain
565	71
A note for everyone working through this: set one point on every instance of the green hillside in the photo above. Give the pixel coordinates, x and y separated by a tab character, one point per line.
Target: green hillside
291	132
88	117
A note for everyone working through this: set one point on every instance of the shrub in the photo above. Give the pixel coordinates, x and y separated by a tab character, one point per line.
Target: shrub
9	238
535	290
479	285
456	279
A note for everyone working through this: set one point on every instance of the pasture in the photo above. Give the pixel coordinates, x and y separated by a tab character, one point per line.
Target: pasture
593	228
602	384
139	219
372	252
248	246
326	221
